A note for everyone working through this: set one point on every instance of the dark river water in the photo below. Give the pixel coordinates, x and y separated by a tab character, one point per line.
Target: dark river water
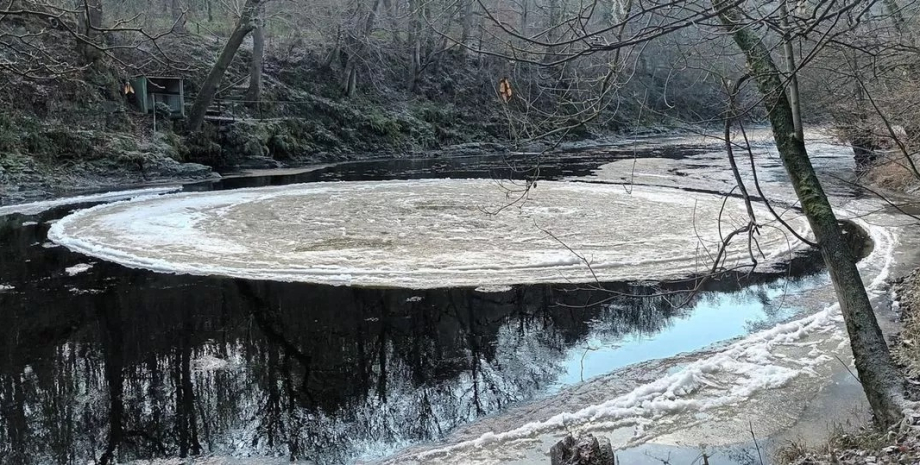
123	363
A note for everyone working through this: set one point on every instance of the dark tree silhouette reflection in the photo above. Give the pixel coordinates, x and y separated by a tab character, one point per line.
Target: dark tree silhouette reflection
124	364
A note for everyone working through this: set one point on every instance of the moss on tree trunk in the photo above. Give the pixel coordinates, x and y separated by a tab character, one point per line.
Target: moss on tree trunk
881	381
209	88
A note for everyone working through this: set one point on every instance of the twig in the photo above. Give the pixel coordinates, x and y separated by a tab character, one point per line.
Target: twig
847	368
756	446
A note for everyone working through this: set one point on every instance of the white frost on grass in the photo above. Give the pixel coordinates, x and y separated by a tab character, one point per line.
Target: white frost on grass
423	233
34	208
77	269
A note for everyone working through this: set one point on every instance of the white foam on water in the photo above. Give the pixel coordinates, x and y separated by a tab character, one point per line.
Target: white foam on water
717	378
424	233
493	289
728	377
77	269
34	208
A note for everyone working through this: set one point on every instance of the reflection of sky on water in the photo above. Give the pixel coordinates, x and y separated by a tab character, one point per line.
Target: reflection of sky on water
718	317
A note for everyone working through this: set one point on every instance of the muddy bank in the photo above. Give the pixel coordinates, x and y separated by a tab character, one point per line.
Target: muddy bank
87	161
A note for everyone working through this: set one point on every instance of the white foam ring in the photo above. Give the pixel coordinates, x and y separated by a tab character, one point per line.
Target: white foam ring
720	378
423	233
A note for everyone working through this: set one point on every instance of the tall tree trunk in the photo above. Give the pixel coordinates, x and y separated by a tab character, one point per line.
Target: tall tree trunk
415	42
178	16
553	28
391	8
243	27
355	44
254	93
881	381
466	22
350	84
371	20
858	128
793	89
525	17
92	21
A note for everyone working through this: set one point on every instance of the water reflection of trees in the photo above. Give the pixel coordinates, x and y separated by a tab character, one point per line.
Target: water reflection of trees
157	365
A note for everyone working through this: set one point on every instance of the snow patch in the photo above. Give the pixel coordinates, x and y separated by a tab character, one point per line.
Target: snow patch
76	291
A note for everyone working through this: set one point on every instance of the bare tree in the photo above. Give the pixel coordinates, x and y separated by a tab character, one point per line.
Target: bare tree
254	93
178	14
244	25
29	27
578	36
882	383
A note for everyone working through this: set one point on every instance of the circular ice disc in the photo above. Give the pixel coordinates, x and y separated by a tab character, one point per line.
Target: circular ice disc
424	233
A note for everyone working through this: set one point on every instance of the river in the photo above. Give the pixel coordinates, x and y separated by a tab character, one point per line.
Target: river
100	356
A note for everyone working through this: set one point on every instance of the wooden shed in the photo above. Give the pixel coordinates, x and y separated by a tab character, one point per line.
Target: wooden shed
150	90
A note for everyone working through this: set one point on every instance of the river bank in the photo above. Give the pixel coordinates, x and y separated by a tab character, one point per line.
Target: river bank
860	442
120	164
28	179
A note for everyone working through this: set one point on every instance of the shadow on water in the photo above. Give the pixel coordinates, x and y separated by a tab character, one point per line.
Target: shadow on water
121	364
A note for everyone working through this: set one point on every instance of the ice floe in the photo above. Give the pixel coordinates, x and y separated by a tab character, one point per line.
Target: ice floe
77	269
426	233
